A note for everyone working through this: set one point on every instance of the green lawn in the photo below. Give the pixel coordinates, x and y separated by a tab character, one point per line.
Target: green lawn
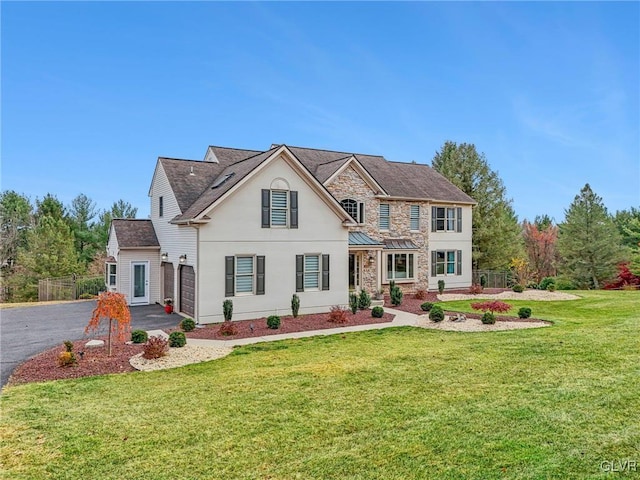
387	404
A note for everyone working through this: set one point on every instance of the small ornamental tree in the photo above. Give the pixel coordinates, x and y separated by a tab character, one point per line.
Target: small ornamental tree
112	306
491	307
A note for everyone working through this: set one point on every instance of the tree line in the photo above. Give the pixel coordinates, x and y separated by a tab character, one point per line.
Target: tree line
48	239
589	248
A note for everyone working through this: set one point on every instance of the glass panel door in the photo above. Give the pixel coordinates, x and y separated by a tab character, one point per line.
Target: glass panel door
139	283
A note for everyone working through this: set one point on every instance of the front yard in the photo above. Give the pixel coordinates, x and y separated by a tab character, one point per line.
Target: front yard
390	404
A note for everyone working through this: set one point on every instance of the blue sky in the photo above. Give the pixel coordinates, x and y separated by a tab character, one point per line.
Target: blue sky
93	93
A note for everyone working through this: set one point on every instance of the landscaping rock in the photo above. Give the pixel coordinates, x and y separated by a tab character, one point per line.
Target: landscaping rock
94	343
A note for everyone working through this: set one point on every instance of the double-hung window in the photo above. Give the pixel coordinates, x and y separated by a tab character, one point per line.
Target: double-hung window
279	208
446	262
384	217
446	219
312	272
414	218
244	275
354	208
400	266
111	274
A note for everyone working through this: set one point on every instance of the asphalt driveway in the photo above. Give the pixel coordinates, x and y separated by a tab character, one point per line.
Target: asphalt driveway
26	331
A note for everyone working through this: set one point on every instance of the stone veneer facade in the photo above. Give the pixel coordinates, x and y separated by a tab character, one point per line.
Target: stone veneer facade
349	184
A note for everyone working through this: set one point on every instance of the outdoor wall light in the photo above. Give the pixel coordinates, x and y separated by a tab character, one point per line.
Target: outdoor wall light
183	258
164	257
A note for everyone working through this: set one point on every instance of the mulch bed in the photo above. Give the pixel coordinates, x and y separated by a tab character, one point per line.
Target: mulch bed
412	304
95	361
288	324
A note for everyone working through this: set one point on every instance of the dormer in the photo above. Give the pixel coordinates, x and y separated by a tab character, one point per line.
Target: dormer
210	156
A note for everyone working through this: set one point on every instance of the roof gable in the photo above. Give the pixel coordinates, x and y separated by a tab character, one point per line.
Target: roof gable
134	233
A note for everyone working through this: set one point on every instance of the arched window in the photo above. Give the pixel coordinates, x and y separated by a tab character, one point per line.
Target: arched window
354	208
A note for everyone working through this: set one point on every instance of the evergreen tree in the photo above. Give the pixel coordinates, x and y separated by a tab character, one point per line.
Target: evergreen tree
496	231
49	252
16	217
628	224
588	241
50	206
85	231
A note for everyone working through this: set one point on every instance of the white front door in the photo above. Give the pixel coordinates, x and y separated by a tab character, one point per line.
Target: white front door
139	283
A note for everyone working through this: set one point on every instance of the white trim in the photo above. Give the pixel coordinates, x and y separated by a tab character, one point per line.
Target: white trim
360	170
284	153
140	300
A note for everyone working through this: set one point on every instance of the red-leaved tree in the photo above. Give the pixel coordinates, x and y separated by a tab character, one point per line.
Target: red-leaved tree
624	278
491	306
112	306
540	244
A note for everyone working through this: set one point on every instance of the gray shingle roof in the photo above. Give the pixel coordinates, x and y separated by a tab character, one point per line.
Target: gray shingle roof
135	233
195	193
361	239
239	168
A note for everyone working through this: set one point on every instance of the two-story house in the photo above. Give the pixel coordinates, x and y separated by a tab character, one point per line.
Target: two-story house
259	226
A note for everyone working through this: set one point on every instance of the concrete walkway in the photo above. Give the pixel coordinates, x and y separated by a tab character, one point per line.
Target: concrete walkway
402	319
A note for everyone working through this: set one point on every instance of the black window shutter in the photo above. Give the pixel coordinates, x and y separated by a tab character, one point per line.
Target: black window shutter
434	259
293	211
459	263
260	275
433	221
361	212
459	218
299	273
325	272
266	208
229	276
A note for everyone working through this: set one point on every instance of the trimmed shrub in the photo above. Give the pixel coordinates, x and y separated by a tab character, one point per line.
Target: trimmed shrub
440	286
563	283
228	328
353	303
420	294
395	293
426	306
551	287
273	322
532	285
488	318
364	300
436	314
187	324
491	306
518	288
139	336
546	281
227	310
524	312
338	314
377	312
67	358
177	340
295	305
475	289
155	347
